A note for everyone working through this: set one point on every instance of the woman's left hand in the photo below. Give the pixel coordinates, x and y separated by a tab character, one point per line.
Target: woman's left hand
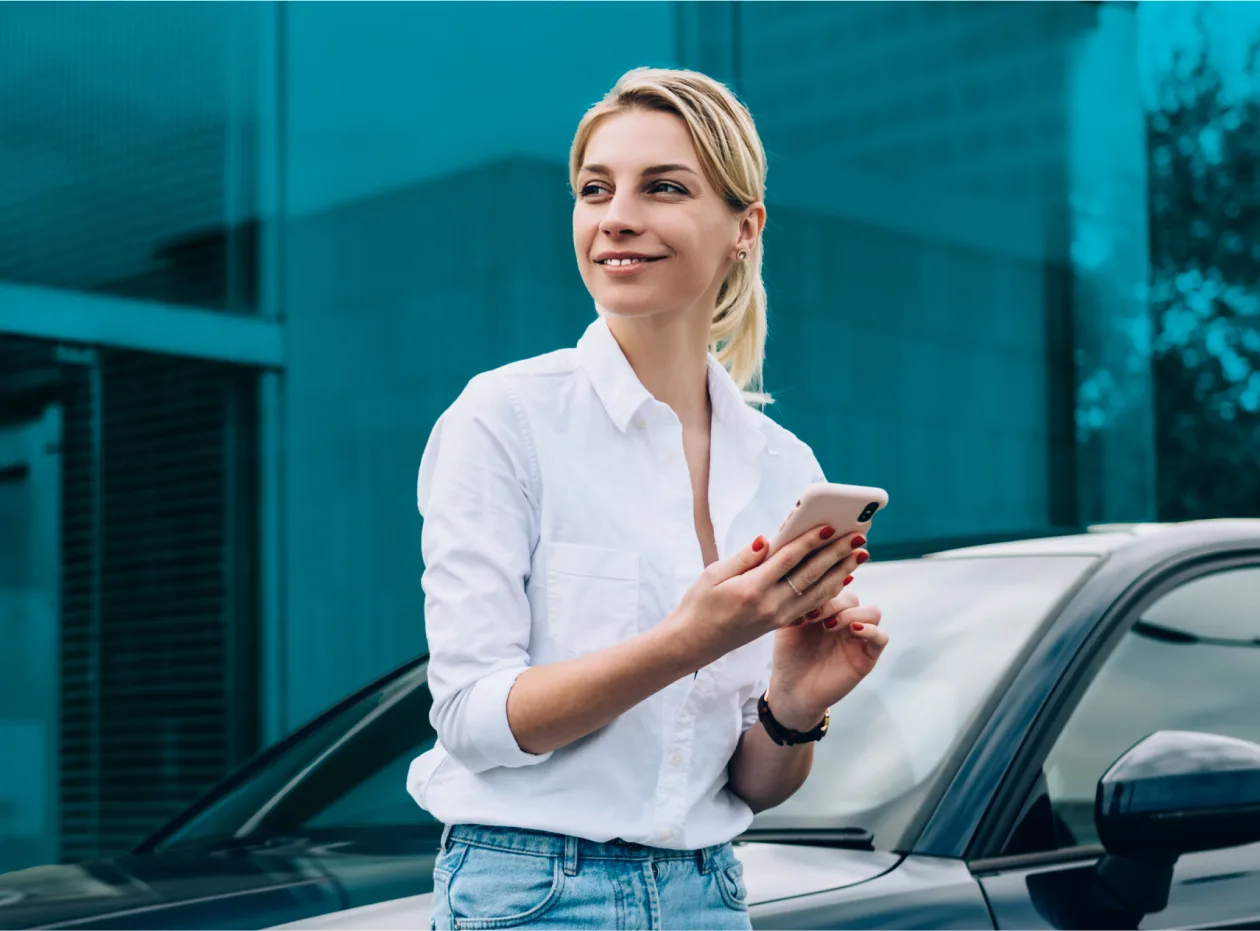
820	660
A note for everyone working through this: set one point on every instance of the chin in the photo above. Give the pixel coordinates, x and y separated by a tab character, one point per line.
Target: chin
626	305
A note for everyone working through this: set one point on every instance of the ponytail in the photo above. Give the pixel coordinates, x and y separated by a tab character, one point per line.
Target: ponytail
737	336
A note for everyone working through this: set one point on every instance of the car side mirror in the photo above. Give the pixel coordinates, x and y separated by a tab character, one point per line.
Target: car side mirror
1179	792
1174	792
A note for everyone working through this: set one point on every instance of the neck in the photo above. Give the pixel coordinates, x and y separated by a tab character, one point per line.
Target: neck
669	354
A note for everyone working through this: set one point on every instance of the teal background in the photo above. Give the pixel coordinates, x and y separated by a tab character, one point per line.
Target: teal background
250	251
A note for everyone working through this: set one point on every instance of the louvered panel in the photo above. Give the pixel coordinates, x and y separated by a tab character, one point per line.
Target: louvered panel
158	662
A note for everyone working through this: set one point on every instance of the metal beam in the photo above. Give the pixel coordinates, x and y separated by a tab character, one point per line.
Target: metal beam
123	323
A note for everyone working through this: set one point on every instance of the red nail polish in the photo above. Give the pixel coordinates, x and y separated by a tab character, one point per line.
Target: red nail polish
862	557
859	540
848	580
759	544
827	532
832	622
856	625
813	614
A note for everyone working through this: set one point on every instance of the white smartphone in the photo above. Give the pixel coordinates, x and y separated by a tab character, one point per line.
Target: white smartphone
848	508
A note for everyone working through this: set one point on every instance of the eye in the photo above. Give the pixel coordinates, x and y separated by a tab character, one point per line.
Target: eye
593	189
667	187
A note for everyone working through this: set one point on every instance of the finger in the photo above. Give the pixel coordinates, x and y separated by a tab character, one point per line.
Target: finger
876	638
818	563
843	602
786	558
836	578
741	561
866	615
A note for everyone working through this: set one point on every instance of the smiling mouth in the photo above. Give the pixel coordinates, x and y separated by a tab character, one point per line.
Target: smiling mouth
620	263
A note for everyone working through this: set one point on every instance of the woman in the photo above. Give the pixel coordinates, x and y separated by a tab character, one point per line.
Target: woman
598	590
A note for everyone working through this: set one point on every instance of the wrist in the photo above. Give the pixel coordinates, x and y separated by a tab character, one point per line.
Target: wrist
674	640
792	714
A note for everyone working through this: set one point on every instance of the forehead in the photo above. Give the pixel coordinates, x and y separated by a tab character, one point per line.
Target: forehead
636	139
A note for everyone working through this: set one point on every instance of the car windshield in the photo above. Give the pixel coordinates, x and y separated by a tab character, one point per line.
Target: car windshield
958	624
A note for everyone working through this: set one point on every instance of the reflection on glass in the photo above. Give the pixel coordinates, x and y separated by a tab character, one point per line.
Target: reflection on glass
956	627
1192	664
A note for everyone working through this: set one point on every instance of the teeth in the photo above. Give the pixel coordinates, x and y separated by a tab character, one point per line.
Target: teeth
622	261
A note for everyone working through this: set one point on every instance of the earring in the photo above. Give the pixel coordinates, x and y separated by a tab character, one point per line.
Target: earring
743	255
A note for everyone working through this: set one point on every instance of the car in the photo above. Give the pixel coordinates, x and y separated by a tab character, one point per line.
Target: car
1064	735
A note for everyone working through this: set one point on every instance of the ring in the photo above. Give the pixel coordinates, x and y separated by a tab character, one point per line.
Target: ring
788	579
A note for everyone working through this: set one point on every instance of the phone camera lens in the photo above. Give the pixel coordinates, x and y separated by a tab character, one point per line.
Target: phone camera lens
868	511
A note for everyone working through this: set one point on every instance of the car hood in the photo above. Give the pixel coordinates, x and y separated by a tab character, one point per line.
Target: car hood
306	883
243	886
771	872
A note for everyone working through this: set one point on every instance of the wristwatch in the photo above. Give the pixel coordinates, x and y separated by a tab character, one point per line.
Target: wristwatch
786	737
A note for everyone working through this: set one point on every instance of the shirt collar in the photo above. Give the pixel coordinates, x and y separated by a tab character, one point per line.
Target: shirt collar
622	394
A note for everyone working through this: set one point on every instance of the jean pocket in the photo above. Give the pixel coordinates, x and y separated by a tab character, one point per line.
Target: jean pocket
734	892
499	889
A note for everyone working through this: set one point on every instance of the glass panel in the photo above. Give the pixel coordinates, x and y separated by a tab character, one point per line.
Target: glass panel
127	148
958	626
1192	663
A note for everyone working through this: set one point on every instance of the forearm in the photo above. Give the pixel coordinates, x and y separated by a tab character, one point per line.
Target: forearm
764	774
553	705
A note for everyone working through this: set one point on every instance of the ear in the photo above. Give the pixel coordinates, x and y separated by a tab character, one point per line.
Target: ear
752	220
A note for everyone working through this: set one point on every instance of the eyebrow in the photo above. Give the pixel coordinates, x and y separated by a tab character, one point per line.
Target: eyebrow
653	170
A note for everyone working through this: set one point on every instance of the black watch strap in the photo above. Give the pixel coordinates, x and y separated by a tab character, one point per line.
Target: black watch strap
786	737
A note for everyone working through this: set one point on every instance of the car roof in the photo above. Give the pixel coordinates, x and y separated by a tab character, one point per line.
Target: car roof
1097	540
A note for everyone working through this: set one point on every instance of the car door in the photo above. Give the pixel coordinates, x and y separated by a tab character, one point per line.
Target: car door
1189	660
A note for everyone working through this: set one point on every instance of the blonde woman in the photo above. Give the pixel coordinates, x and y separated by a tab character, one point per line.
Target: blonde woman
621	676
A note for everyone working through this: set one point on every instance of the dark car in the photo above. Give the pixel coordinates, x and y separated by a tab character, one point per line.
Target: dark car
1064	734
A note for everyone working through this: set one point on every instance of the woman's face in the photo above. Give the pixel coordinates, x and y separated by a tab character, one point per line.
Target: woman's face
641	197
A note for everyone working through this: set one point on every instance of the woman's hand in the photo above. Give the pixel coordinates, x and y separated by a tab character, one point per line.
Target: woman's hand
740	598
817	663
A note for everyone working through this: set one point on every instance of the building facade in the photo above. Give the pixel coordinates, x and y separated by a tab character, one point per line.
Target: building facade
249	252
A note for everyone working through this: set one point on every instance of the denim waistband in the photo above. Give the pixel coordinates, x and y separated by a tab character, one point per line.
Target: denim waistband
572	849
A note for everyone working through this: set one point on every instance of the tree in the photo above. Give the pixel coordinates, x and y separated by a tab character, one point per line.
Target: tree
1204	162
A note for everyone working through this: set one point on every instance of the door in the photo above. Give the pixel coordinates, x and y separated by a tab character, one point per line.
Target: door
30	658
1190	661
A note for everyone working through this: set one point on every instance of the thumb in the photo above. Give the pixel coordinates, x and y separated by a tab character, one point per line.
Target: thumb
743	559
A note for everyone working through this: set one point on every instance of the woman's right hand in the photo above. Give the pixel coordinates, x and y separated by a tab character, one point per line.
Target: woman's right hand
745	596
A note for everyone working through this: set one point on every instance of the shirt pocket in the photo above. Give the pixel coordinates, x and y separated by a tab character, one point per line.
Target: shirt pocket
592	596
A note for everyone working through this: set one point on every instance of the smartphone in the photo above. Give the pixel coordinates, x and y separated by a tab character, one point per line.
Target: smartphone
848	508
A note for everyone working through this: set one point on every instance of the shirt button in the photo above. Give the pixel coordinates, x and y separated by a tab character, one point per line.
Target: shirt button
638	423
667	835
676	760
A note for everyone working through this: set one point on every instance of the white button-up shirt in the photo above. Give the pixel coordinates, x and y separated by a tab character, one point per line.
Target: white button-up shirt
558	521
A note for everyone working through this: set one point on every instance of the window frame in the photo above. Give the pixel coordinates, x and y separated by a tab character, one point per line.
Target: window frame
1015	794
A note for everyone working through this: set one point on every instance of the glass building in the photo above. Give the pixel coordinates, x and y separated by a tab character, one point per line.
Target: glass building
250	251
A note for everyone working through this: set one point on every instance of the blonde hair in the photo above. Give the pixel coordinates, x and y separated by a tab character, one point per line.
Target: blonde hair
734	161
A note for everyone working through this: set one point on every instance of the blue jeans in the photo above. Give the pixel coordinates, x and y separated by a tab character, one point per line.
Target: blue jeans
489	877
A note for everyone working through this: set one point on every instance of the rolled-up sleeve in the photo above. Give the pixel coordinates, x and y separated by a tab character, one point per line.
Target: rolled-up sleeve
477	491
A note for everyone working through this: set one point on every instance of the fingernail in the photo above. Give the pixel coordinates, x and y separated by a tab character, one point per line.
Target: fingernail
832	622
827	532
848	580
759	544
856	625
862	557
859	540
813	614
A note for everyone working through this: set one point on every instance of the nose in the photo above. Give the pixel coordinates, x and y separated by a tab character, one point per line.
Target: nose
621	217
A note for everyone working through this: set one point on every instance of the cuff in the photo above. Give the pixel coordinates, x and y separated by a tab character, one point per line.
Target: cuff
487	722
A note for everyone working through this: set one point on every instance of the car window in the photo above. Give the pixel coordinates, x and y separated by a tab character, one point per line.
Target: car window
957	626
350	772
1191	662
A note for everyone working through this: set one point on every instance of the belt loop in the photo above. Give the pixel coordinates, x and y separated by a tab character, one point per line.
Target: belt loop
704	860
446	836
570	855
